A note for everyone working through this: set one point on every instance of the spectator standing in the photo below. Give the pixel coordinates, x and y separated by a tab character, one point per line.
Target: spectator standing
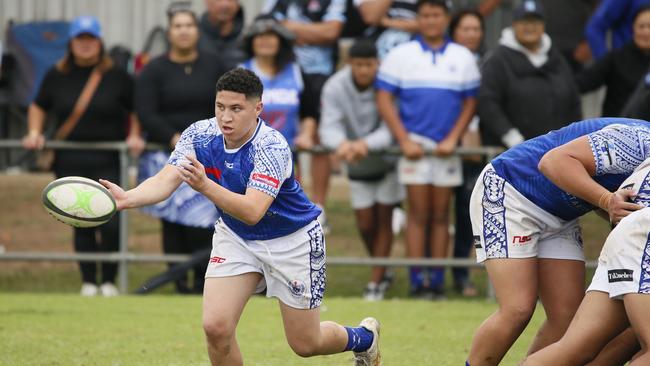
221	28
391	22
622	69
351	126
317	25
565	23
173	91
616	16
526	89
435	82
85	92
467	29
269	47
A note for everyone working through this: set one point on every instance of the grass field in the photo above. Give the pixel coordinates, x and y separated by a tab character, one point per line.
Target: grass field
44	322
50	329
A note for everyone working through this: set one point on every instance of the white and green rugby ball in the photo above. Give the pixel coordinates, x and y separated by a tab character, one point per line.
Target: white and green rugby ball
79	202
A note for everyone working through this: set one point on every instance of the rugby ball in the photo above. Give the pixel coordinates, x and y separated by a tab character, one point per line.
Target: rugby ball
79	202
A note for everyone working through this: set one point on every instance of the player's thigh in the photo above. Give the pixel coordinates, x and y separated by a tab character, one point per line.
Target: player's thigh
300	324
561	286
637	307
515	283
598	320
224	299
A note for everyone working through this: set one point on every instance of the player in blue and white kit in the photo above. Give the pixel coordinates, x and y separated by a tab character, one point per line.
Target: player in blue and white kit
526	227
618	295
267	236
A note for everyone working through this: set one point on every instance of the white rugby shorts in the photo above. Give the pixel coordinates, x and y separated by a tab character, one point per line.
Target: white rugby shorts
433	170
386	191
292	266
507	225
624	262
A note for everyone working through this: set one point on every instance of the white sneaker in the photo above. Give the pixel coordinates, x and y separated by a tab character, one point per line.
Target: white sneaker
373	292
399	220
109	290
372	356
89	289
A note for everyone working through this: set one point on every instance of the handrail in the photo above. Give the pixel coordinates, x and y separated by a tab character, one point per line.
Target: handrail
123	256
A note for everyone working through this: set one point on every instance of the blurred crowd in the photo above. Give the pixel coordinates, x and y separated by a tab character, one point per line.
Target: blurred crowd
357	77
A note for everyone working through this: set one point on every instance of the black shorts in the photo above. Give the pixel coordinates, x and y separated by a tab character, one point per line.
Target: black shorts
313	87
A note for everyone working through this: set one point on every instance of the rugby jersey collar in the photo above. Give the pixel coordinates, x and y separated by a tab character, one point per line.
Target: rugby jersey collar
260	122
427	48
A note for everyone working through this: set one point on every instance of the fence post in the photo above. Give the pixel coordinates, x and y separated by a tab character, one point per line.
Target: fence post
123	223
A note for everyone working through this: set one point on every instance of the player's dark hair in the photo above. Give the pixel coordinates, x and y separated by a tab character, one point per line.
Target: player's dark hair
441	3
242	81
363	48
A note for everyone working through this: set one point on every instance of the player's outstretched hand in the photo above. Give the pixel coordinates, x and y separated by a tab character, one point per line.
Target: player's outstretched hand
620	205
193	173
117	192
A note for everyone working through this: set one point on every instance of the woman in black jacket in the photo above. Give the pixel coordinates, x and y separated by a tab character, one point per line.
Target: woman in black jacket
526	86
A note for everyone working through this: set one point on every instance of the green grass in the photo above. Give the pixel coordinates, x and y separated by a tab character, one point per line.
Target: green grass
66	330
57	327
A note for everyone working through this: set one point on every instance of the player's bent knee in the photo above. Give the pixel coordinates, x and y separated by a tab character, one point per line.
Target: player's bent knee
518	313
218	330
304	348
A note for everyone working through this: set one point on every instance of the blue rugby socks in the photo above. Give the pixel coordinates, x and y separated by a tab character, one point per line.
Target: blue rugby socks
359	339
416	277
436	277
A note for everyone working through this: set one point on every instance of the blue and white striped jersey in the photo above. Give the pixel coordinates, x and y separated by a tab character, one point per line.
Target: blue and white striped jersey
429	84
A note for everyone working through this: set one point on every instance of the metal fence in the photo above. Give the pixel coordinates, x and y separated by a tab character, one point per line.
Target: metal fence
124	256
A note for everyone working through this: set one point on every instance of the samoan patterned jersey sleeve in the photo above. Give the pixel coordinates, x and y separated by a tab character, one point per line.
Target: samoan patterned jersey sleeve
197	135
619	149
272	163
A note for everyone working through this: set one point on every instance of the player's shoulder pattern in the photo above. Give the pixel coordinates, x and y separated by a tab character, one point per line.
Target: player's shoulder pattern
620	148
197	136
272	160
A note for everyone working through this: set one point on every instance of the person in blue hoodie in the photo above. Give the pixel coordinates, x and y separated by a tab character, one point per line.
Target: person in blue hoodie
614	15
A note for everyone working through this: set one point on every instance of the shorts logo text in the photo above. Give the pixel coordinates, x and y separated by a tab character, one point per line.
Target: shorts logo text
217	260
620	275
521	239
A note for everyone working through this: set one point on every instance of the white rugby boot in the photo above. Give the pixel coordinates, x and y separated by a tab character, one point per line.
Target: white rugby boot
372	356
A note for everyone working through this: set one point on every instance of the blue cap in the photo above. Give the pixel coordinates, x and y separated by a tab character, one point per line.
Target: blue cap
528	8
85	25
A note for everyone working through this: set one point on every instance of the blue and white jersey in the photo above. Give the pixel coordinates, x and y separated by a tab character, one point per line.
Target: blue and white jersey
314	59
430	84
264	163
281	98
619	146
